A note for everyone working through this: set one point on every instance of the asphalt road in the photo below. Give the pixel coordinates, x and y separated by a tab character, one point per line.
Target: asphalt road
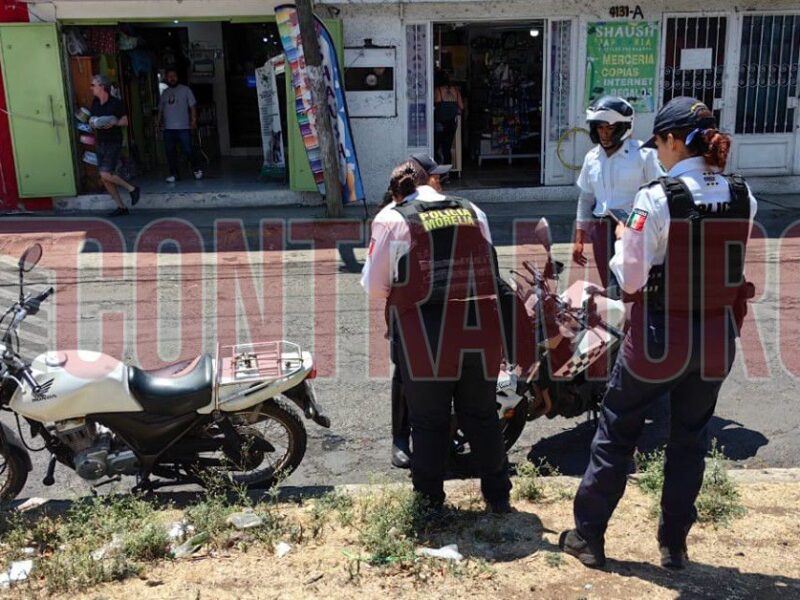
176	298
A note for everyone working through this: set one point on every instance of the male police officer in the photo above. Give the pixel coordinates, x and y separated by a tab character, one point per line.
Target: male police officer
431	257
684	244
612	173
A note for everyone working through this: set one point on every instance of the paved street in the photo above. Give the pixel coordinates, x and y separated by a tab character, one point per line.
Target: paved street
757	420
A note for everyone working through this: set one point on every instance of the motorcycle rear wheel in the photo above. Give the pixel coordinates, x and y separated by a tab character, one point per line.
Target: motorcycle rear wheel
13	472
274	413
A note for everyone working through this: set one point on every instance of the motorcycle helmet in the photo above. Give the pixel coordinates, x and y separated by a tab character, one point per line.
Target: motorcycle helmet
614	111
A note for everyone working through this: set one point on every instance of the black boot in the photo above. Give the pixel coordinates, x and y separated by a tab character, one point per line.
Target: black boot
401	452
676	558
590	552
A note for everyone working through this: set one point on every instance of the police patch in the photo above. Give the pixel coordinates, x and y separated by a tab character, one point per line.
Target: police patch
637	219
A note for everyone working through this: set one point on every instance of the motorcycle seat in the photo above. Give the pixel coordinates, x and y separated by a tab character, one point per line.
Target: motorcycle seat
174	390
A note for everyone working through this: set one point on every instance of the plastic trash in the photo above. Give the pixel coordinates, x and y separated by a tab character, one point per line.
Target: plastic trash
179	530
244	520
449	552
18	571
191	545
282	549
32	503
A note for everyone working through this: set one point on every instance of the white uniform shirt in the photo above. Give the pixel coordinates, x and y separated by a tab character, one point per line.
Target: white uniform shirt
391	239
639	250
613	181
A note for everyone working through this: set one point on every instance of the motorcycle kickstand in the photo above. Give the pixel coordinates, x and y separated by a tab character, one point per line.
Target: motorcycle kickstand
51	469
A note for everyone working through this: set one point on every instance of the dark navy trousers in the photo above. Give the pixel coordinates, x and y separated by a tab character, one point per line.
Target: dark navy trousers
701	351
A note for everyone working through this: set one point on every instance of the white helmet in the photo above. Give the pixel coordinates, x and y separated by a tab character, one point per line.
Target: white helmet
614	111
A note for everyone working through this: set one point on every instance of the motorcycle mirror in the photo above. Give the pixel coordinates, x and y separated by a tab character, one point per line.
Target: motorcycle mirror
541	234
30	258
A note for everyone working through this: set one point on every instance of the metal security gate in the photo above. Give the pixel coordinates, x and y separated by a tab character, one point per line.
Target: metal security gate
768	64
694	59
767	94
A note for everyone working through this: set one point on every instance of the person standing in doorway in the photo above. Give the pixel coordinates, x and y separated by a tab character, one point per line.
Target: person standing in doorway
448	106
612	173
108	117
177	114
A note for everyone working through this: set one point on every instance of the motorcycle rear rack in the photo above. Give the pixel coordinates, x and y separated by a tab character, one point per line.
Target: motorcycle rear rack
257	363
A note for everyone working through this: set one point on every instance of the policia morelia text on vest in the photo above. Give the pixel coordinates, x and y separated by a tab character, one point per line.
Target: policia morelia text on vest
432	272
702	237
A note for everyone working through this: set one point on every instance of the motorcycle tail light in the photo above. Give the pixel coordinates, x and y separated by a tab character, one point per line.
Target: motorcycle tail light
312	374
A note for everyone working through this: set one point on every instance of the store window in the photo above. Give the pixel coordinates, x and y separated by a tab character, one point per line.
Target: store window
417	84
768	70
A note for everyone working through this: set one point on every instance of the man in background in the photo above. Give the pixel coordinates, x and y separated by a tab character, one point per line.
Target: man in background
177	114
108	118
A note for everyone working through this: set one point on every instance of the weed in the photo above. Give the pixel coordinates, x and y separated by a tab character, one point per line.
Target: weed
388	520
324	507
528	485
553	559
650	467
147	543
719	501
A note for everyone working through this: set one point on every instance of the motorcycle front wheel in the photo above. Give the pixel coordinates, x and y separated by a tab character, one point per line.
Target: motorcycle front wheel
13	471
278	424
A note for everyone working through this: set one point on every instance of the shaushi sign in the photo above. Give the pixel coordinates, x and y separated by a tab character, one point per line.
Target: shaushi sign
622	60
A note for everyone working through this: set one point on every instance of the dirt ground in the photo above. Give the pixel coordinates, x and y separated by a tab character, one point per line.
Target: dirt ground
511	556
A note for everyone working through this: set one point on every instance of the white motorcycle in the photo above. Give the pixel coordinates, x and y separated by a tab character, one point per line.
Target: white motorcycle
182	424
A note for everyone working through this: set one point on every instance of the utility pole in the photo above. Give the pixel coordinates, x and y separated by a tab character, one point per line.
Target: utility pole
319	100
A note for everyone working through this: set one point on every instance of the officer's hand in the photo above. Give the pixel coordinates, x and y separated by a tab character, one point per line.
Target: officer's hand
619	230
577	248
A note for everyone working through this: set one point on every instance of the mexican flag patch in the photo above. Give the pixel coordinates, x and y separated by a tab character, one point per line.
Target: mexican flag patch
637	219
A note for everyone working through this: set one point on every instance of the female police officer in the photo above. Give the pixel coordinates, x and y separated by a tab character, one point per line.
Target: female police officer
431	257
680	258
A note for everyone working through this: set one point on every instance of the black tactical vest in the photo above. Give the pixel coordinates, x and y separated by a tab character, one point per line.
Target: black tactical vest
704	264
448	256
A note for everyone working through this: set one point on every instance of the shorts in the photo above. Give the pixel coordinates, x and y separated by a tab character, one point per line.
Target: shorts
108	154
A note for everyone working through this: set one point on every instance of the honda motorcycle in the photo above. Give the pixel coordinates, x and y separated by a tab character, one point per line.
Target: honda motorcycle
186	423
578	335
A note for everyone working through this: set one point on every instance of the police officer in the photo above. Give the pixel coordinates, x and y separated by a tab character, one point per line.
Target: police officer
681	257
431	257
612	173
426	173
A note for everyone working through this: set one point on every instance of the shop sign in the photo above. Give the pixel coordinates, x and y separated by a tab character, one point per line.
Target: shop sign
622	60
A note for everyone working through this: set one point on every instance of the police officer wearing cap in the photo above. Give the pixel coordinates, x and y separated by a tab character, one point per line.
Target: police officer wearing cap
426	172
612	173
429	255
681	260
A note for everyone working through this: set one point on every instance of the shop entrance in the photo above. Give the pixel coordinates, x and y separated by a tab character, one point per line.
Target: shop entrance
221	64
494	71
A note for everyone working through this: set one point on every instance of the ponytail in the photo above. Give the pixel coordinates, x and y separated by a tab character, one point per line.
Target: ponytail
405	179
717	147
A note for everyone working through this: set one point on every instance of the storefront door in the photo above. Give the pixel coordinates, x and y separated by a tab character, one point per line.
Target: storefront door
37	109
766	95
561	163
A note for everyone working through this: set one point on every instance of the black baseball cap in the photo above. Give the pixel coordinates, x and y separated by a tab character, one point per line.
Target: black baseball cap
430	166
681	113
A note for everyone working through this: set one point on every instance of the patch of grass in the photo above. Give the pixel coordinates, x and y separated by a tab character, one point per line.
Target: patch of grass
719	501
323	508
650	467
387	523
554	559
528	484
127	526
